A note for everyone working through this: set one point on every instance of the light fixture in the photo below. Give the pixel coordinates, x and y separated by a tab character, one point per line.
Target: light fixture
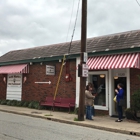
24	79
31	63
94	51
115	77
4	79
60	60
102	76
41	63
106	49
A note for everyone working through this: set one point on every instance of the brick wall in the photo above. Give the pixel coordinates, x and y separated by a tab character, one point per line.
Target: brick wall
134	81
37	73
3	87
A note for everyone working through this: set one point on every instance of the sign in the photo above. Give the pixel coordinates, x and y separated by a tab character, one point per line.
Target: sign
43	82
14	80
84	70
85	57
121	74
50	70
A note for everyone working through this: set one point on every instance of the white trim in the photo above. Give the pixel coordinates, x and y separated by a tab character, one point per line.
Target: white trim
111	95
106	83
128	88
77	82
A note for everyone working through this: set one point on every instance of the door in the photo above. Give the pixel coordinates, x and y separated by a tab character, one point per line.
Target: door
14	87
122	80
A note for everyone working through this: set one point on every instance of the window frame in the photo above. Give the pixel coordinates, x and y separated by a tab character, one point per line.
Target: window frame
98	107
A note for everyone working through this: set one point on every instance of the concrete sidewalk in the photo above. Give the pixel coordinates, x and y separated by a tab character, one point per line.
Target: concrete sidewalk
100	122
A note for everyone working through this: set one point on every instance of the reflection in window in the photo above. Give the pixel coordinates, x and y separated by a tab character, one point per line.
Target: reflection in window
99	89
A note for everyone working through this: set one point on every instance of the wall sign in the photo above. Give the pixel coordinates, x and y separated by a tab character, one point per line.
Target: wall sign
120	74
84	70
14	80
50	70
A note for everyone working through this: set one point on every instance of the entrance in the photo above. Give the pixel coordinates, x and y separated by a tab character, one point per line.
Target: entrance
122	80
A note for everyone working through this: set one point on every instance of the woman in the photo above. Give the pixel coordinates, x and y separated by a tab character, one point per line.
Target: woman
94	93
89	102
120	97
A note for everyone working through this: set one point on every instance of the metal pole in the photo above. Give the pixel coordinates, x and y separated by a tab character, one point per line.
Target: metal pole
83	49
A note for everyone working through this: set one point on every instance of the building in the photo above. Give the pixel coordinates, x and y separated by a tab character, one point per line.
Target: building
112	59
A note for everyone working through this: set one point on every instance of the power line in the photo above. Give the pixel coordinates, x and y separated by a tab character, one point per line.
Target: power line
138	2
74	27
70	20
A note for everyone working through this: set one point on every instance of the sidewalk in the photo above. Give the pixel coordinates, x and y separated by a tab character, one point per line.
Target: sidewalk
100	122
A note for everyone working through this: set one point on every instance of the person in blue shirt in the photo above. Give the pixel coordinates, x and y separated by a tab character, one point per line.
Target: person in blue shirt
120	96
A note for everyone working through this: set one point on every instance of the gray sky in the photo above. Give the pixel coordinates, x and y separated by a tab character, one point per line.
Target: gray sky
30	23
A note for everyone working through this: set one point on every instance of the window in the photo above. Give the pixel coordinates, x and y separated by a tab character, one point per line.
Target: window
100	82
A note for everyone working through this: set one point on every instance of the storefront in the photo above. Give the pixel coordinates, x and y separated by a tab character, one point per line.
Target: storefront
105	72
26	74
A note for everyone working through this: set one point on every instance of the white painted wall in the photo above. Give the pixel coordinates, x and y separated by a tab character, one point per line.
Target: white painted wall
77	82
14	87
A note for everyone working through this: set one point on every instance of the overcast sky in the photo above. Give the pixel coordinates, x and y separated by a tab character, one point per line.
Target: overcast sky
30	23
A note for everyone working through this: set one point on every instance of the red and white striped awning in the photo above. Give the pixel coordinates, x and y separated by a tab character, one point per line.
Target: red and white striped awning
22	68
118	61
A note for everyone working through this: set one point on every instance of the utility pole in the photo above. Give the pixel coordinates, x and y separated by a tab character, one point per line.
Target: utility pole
82	61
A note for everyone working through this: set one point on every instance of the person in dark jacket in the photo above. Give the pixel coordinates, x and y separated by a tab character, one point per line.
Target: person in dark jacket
120	97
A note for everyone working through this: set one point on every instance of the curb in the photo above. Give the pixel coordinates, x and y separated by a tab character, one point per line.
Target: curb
77	123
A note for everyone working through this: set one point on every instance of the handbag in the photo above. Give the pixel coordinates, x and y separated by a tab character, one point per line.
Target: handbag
121	102
115	99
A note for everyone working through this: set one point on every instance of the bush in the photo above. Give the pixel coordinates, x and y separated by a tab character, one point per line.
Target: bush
130	114
34	104
20	103
3	102
26	104
136	100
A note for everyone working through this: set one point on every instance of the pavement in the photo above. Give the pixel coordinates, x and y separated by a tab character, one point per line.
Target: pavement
100	122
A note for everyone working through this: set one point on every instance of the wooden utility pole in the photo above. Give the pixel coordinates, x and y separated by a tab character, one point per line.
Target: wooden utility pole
83	50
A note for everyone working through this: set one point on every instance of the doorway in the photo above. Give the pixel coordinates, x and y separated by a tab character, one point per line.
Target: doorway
122	80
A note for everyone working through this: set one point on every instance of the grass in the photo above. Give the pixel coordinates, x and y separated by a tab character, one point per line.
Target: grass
48	115
76	119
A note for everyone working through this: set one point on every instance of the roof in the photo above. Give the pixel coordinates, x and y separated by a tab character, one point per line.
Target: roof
130	39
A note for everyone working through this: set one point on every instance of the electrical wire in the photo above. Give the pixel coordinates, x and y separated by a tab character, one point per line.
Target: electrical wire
70	20
74	27
138	2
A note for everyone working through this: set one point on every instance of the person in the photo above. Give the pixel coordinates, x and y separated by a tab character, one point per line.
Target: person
94	93
89	102
120	96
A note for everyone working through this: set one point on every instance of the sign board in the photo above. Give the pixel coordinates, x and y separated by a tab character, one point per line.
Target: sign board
120	74
14	80
84	70
85	56
50	70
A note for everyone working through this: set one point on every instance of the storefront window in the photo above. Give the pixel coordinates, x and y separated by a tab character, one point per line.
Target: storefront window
98	82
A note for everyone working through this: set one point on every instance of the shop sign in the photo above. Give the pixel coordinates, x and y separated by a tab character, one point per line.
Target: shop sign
84	70
50	70
14	80
121	74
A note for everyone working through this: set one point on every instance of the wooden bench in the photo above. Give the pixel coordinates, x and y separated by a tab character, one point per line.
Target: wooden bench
65	103
58	102
49	101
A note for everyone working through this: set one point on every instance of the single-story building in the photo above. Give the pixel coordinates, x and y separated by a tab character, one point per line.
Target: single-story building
32	74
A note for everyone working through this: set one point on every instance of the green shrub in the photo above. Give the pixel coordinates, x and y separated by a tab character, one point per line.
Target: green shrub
25	104
3	102
34	104
130	114
9	102
13	102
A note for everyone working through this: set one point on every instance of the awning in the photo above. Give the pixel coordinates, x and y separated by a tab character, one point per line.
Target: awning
22	68
114	61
